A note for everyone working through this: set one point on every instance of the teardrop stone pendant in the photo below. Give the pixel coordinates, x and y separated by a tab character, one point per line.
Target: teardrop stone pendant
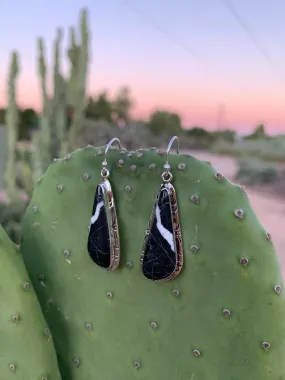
103	239
162	254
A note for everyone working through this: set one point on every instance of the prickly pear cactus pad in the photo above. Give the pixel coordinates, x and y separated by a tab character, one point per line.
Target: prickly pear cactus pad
221	318
26	346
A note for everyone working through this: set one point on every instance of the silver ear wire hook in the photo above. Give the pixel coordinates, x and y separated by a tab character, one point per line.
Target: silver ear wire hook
105	172
167	176
111	143
169	147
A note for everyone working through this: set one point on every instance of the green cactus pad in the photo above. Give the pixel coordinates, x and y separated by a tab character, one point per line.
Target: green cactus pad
222	318
27	350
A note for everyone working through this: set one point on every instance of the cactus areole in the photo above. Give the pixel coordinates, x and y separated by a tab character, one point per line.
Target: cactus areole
221	318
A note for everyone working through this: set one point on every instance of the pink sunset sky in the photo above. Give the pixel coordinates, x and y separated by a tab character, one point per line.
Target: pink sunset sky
211	63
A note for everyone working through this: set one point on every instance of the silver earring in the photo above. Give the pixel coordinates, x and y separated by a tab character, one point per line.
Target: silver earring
103	239
162	254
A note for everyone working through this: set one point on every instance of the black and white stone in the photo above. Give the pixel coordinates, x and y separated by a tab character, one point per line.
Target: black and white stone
159	257
99	246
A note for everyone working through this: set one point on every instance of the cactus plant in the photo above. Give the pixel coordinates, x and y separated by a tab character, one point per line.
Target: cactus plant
54	138
222	318
27	350
78	55
12	121
11	215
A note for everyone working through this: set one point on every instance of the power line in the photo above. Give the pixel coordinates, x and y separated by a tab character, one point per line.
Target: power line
245	26
153	23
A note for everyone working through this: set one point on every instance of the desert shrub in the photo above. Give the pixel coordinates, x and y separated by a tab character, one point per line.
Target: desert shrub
253	171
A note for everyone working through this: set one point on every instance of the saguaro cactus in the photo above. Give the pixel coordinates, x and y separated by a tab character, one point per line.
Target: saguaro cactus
45	127
12	125
68	93
78	77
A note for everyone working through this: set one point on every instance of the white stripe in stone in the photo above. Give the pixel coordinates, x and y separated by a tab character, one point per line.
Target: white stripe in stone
97	212
168	236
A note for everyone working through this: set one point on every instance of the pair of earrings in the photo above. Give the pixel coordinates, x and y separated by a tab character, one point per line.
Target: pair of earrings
162	253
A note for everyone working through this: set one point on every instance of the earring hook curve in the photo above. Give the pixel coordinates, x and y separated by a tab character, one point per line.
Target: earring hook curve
170	145
167	175
114	139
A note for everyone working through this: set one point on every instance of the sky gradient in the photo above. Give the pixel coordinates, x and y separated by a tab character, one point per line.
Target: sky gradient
195	58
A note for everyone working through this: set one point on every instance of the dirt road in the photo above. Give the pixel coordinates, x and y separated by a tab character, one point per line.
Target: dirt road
271	211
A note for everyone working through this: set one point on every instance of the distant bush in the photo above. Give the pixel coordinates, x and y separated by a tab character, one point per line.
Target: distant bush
271	149
164	122
133	135
252	171
138	134
258	133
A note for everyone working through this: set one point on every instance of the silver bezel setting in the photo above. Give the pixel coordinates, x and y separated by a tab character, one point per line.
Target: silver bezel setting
176	231
112	224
